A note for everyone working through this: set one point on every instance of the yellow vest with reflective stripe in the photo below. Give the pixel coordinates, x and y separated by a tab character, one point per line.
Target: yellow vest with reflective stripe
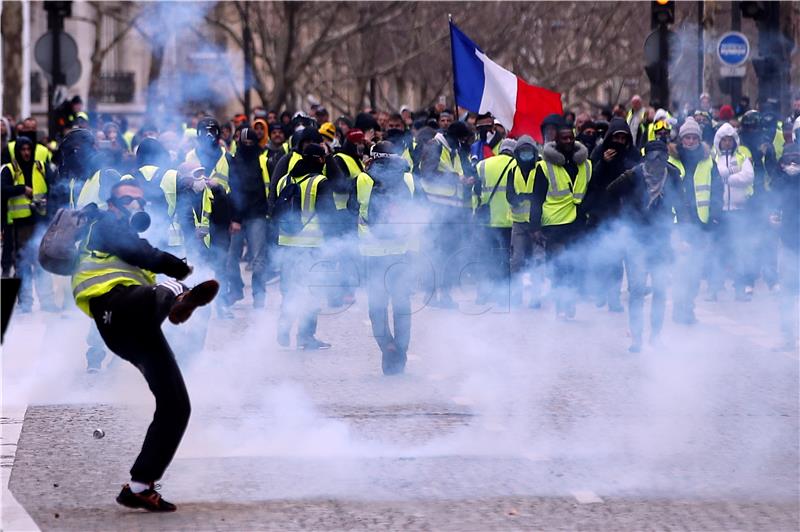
490	171
563	196
90	193
521	212
742	153
169	186
221	170
21	206
40	153
368	244
99	272
262	162
311	234
702	185
354	168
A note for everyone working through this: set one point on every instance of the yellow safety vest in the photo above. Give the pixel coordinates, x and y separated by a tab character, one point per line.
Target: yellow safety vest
492	171
21	206
368	244
169	186
262	162
742	153
702	184
99	272
354	169
311	234
221	170
202	222
563	196
40	153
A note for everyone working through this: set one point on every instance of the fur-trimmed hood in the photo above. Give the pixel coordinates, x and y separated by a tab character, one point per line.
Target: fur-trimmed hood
551	154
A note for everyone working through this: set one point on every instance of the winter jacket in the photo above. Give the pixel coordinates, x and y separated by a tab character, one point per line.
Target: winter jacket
735	169
248	192
599	205
541	182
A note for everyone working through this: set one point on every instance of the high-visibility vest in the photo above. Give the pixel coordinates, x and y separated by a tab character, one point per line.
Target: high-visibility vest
202	223
262	163
21	206
99	272
221	170
702	185
40	153
354	169
90	193
169	186
368	244
311	234
563	196
447	189
523	185
741	153
491	171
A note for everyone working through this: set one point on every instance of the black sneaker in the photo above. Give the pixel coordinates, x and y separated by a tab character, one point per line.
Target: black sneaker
312	344
187	302
149	499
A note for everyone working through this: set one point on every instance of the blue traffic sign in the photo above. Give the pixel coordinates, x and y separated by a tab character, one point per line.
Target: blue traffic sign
733	48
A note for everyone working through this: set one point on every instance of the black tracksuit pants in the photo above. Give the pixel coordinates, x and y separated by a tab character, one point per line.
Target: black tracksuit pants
129	319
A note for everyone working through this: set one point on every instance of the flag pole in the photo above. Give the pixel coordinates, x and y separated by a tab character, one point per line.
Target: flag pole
455	103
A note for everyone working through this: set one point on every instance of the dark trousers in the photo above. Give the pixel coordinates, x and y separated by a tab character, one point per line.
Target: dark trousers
255	231
449	259
642	258
559	240
303	284
218	258
129	320
390	281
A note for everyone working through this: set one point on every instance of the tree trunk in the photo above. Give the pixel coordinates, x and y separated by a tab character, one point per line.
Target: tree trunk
153	76
12	58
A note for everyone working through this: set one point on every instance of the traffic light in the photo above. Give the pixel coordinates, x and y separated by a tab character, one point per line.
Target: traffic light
662	13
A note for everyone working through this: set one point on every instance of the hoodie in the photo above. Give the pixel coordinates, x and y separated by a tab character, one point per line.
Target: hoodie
737	177
10	189
598	203
541	183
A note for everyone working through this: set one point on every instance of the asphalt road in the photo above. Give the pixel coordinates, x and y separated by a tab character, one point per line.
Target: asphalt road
504	420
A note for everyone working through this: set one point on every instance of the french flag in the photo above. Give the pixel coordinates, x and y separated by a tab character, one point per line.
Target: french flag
483	86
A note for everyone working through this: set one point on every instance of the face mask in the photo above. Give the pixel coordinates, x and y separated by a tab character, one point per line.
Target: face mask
198	185
619	147
133	210
791	169
525	156
394	133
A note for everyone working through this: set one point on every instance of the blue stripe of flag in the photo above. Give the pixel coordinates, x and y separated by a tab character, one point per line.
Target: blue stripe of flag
469	78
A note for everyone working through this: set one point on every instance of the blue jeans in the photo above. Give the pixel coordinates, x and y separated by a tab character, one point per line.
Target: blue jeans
255	230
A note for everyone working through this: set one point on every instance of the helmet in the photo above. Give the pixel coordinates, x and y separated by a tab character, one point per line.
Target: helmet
751	120
662	124
208	125
328	130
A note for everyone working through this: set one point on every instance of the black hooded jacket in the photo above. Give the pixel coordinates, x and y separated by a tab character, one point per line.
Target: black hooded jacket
9	189
248	194
598	204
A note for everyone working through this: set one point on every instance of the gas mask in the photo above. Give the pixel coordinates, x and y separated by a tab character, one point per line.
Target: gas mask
133	210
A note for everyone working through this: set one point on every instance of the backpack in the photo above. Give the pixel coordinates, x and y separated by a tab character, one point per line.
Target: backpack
288	207
59	252
385	216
